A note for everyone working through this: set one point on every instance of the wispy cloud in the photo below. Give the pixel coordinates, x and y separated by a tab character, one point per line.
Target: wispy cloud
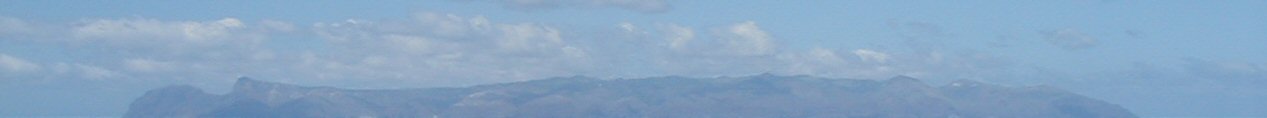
12	64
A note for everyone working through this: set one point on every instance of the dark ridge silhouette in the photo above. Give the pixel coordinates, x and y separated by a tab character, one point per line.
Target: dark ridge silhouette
752	96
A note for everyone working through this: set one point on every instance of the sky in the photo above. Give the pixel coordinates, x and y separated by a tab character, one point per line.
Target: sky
1157	58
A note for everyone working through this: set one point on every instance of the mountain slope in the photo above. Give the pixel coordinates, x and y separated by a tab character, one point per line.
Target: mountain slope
751	96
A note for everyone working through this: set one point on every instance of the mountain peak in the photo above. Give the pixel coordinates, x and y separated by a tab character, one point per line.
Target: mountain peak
902	79
245	84
244	79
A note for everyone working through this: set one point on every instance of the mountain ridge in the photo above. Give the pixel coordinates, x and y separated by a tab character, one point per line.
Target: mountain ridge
749	96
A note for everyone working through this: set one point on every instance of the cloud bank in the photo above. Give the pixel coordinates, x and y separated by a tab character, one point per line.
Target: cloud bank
429	49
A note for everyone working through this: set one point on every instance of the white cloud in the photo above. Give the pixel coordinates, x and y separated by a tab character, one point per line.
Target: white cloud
872	64
141	32
830	63
871	56
627	27
133	47
744	48
450	25
347	31
439	29
678	36
825	56
739	39
127	29
519	37
15	64
747	39
437	45
139	28
210	30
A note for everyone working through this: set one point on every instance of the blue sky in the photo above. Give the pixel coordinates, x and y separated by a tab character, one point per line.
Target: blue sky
1156	58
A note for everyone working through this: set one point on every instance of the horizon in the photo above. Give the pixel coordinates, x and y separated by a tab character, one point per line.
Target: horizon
1165	58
